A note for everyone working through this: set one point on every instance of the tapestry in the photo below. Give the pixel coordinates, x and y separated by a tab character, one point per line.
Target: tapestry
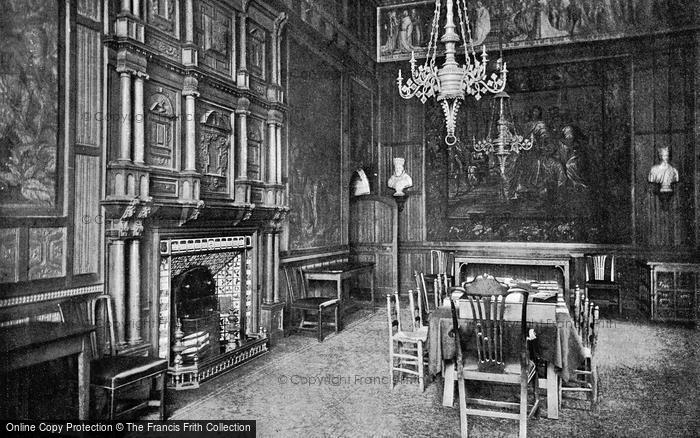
360	130
573	184
314	152
28	102
405	28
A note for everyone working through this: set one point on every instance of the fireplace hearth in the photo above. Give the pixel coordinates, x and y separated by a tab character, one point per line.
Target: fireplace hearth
206	324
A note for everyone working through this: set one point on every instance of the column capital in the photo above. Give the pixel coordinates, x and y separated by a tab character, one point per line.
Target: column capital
141	75
124	70
243	106
190	86
275	117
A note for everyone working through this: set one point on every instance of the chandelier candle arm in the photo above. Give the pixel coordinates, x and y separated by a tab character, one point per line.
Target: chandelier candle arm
451	82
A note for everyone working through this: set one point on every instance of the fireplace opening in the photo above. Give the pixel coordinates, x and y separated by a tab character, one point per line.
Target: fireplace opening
197	311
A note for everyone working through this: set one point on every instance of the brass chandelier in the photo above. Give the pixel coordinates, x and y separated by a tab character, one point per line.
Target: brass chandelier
452	81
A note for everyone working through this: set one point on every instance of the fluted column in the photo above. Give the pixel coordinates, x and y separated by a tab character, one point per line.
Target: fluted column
242	80
134	331
117	288
190	92
269	264
139	122
125	138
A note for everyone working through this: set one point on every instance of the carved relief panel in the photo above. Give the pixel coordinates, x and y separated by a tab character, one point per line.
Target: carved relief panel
162	14
215	38
255	142
256	50
213	151
46	253
161	117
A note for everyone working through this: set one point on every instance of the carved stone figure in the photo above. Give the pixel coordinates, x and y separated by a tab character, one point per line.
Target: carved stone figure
400	180
663	173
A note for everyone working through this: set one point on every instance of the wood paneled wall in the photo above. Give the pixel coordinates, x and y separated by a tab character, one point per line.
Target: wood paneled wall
665	72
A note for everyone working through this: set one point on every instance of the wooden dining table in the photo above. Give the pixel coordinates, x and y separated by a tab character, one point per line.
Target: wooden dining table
558	342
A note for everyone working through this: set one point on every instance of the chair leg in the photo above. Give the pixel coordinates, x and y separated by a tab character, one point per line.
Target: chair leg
337	317
111	404
421	377
523	406
594	383
462	390
320	324
161	410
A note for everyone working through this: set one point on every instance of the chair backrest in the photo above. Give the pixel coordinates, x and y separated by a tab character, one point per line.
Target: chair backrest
586	315
600	267
484	285
422	293
95	311
440	286
439	261
416	309
489	327
294	277
393	312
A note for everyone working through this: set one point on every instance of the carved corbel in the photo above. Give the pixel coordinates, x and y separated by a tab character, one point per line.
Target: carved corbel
191	212
248	212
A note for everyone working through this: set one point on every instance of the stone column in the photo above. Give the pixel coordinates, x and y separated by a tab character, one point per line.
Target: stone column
189	22
242	79
279	154
134	331
242	112
272	152
125	119
137	8
276	267
232	157
126	6
117	288
190	92
269	265
139	122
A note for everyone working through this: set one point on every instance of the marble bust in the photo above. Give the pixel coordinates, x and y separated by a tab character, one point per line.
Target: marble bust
400	180
663	173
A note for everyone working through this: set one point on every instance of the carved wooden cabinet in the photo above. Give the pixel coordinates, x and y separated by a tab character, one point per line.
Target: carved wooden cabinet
675	291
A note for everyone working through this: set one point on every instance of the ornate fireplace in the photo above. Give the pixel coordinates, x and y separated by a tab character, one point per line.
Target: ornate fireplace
206	322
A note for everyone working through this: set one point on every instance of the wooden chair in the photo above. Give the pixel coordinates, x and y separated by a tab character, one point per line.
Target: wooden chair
305	304
406	348
441	288
600	285
586	315
117	374
492	362
441	262
484	284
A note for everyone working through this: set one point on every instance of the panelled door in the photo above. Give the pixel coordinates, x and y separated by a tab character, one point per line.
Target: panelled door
374	238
